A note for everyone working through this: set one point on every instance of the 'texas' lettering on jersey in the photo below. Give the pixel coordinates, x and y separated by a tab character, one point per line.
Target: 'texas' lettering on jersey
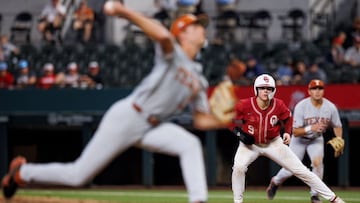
317	119
189	80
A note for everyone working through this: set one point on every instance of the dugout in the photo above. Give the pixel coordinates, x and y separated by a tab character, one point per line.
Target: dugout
54	125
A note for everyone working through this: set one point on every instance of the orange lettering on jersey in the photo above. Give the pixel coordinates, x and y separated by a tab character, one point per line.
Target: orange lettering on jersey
188	80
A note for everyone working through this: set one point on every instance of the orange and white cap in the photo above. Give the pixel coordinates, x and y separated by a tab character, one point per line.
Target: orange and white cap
316	83
183	21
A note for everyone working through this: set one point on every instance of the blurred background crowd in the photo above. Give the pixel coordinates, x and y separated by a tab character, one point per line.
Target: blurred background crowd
71	44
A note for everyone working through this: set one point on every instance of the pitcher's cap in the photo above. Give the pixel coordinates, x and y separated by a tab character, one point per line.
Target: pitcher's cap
183	21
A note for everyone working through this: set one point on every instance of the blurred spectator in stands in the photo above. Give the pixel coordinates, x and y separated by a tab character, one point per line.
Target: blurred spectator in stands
166	11
352	54
93	78
6	78
352	58
83	21
2	56
48	78
25	77
186	6
71	76
7	48
299	71
337	51
253	69
352	31
314	72
284	72
51	20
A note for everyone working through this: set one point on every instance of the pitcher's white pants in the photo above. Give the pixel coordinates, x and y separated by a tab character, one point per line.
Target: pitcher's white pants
282	155
120	128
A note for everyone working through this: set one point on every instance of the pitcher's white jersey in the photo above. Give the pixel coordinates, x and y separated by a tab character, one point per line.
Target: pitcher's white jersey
177	80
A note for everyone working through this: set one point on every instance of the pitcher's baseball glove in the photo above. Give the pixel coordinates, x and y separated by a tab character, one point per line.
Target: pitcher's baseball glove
337	143
222	101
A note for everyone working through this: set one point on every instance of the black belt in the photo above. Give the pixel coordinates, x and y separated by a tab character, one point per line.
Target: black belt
152	120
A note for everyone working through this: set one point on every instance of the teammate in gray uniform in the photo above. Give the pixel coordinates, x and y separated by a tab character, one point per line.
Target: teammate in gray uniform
175	82
312	116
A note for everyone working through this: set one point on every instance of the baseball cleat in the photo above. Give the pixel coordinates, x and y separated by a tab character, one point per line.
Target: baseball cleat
315	199
271	190
11	181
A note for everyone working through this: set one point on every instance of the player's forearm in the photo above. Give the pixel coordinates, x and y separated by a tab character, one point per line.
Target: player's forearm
149	26
153	29
317	128
298	132
202	121
338	131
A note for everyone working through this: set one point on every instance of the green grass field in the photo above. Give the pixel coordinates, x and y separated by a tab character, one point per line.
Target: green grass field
284	195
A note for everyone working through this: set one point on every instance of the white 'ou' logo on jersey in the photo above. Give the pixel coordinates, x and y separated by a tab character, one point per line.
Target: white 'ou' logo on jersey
273	120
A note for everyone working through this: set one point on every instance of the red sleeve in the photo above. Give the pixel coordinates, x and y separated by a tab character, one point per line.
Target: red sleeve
287	118
288	125
238	111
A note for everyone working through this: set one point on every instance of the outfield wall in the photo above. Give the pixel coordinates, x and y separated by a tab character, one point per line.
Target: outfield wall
54	125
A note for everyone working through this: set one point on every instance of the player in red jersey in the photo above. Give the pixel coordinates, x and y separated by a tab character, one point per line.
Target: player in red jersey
258	122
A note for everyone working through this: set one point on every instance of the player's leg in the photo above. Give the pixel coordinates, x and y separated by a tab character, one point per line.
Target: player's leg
315	151
171	139
298	145
244	156
109	140
286	158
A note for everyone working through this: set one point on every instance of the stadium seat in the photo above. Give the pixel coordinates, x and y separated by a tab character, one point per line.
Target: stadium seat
225	24
259	49
292	24
28	52
312	51
21	28
259	24
348	74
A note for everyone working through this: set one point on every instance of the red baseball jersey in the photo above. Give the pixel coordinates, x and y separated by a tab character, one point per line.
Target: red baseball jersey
266	124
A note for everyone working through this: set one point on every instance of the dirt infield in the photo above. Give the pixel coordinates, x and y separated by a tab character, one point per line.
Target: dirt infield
46	200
